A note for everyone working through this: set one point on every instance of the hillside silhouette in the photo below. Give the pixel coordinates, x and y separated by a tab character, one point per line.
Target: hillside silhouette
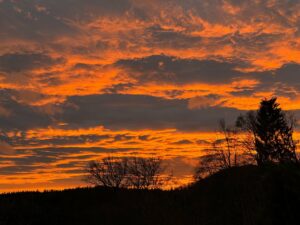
243	195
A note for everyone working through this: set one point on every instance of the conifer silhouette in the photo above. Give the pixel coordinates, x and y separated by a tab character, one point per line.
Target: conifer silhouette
272	131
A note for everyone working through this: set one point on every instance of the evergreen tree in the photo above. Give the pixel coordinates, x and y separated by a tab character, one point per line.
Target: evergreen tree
273	133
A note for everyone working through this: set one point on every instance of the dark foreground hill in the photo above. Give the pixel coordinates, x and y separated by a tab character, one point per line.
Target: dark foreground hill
238	196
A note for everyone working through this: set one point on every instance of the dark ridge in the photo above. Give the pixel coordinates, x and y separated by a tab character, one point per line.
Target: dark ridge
249	195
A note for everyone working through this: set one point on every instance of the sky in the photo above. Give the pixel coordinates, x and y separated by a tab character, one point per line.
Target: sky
81	80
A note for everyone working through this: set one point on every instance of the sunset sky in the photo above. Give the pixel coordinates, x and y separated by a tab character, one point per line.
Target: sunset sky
83	79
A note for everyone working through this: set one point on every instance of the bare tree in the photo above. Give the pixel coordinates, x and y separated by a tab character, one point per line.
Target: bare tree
144	173
109	172
245	123
225	153
140	173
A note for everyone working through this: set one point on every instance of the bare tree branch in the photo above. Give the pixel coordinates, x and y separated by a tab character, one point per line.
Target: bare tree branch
140	173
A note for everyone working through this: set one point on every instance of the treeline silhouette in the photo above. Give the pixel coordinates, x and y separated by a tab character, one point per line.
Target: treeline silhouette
248	195
250	176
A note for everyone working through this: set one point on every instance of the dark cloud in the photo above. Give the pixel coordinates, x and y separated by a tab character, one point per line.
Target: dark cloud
50	79
123	137
167	69
168	38
173	93
245	92
204	101
61	140
20	169
85	66
41	158
50	19
289	74
87	10
31	20
117	88
66	152
183	142
218	11
257	41
22	62
140	112
144	137
284	81
15	115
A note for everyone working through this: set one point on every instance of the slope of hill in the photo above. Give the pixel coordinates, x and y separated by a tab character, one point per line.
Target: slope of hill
246	195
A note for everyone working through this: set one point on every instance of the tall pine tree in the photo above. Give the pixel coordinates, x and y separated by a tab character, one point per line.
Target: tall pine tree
272	131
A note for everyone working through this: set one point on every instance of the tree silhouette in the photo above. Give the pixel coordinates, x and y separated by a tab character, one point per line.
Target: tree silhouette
264	136
109	172
225	153
134	172
146	173
272	133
